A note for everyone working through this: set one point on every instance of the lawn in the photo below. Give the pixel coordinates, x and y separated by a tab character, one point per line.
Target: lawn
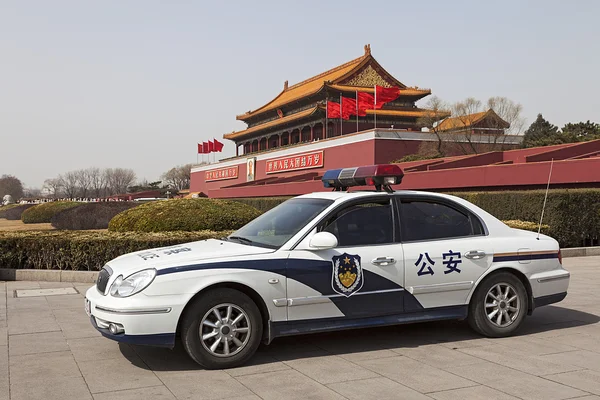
6	225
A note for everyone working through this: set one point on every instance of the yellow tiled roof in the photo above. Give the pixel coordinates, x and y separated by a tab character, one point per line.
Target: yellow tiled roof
275	122
468	120
370	89
407	113
306	87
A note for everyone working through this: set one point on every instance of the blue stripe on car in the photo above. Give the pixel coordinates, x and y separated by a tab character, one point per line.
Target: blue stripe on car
524	257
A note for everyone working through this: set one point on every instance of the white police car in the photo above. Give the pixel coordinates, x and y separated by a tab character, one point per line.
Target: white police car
328	261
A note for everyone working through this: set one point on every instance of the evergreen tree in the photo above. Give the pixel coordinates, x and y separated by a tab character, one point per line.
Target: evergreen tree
541	133
582	131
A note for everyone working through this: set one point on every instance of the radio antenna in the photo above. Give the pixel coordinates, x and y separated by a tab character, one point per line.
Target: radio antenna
545	198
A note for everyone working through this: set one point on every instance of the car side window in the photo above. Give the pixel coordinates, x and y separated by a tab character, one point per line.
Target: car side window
426	220
362	224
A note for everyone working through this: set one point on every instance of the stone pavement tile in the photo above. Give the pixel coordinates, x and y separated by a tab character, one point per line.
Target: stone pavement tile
289	385
376	388
530	346
585	380
580	358
260	363
66	301
55	389
31	321
415	374
26	303
528	364
361	347
290	349
14	285
3	336
42	367
98	348
435	354
590	397
148	393
203	384
4	388
516	383
75	323
83	288
117	374
32	343
330	369
582	341
471	393
162	359
48	285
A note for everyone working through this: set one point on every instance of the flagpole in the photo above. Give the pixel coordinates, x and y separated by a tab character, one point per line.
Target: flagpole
341	116
326	118
375	106
356	98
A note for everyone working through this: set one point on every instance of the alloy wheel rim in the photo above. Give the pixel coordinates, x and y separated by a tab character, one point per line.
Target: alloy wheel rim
502	305
225	330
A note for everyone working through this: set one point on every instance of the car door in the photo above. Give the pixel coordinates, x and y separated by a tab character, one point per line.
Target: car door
445	250
363	276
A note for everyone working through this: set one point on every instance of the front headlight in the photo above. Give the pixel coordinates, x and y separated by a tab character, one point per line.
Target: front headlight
133	284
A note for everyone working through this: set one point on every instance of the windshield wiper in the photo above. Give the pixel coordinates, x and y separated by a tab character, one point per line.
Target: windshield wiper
241	239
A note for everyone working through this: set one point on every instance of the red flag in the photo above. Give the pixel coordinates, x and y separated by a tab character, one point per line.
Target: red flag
348	107
218	145
333	109
366	101
211	146
385	95
205	147
200	149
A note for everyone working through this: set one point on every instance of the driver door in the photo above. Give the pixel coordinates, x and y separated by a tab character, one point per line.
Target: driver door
362	277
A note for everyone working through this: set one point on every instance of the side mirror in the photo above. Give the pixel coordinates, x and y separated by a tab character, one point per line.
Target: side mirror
323	241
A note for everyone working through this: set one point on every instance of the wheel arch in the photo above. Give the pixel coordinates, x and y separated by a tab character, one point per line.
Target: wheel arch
512	270
247	290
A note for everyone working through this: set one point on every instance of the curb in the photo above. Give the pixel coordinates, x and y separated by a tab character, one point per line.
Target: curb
580	251
46	275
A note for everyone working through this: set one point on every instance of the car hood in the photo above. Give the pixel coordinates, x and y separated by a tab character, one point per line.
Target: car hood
182	254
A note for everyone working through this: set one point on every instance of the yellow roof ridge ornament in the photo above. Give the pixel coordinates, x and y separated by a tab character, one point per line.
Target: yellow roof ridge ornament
367	49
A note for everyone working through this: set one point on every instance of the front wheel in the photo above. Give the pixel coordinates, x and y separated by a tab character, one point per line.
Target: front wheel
499	305
221	329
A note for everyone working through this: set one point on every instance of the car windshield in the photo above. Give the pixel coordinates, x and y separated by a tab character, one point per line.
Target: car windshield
277	226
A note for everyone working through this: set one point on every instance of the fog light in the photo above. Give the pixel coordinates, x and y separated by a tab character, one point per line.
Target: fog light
115	329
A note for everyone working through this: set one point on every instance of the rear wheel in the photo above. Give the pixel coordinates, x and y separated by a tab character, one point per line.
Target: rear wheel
499	305
221	329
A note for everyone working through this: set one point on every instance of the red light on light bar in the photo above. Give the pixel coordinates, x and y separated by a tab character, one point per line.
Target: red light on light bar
388	170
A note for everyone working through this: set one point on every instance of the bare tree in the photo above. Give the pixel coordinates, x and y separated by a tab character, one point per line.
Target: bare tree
53	187
119	179
68	182
178	177
436	109
83	181
97	181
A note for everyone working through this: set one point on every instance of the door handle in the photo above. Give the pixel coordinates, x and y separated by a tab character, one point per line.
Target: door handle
475	254
383	261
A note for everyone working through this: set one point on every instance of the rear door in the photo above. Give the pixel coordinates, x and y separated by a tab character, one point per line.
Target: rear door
445	249
362	277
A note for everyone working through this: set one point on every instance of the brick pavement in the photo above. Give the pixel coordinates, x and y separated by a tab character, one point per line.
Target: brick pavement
48	350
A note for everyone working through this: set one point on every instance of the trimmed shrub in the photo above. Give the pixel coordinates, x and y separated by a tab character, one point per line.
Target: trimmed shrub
90	215
83	251
45	211
573	215
184	215
13	212
527	225
263	204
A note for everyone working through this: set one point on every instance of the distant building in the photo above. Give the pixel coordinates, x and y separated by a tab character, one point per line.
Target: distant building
482	123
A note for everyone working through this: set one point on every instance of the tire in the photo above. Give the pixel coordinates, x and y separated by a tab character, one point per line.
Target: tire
483	299
228	352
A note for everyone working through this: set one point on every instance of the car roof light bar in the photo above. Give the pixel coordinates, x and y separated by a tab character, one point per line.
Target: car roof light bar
380	176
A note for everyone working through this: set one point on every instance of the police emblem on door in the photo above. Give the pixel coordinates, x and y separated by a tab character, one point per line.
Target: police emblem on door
347	277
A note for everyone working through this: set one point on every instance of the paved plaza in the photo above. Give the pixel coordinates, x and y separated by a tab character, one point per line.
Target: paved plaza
48	350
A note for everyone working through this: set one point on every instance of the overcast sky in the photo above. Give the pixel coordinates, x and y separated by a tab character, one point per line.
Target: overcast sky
136	84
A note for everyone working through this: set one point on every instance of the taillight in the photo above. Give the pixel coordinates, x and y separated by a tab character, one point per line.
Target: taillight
559	257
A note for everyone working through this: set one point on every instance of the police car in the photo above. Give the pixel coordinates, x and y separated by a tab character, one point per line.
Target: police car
330	261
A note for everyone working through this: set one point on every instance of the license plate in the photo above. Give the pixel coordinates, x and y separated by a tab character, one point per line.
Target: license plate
88	307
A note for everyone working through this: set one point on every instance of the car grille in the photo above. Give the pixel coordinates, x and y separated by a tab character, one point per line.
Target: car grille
102	281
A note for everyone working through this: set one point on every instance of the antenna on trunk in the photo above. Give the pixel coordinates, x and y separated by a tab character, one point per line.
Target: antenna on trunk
545	198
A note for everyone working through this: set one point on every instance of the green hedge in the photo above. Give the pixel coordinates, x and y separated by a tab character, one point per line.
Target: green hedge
184	215
45	211
263	204
81	250
572	214
13	212
90	215
526	225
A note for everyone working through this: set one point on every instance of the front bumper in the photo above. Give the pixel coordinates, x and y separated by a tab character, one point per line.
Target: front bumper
143	320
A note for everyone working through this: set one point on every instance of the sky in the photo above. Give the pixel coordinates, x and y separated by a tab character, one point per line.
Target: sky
136	84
